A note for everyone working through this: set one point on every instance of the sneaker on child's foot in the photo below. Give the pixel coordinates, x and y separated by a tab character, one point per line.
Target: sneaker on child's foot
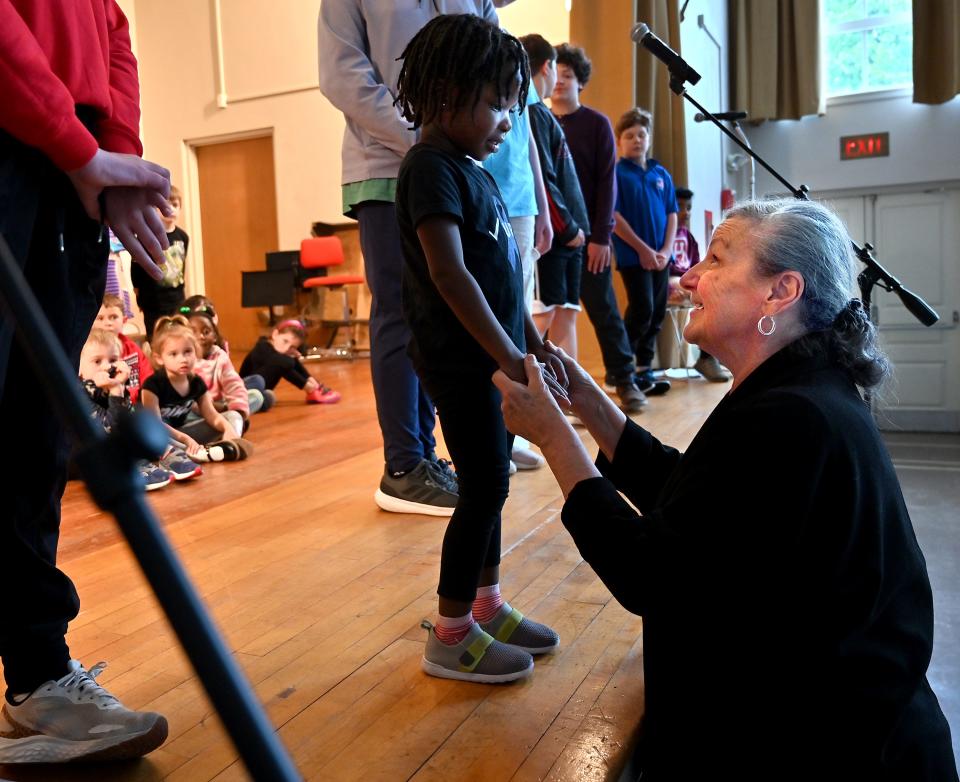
323	396
225	451
180	466
509	626
477	658
632	399
712	370
526	458
420	490
74	718
651	385
153	475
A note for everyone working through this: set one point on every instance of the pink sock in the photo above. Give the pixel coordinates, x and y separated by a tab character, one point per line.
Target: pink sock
451	630
488	602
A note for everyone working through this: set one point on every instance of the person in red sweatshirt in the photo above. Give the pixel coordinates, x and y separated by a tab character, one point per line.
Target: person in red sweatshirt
70	166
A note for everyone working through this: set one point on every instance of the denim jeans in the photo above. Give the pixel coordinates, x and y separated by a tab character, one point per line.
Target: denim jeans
404	410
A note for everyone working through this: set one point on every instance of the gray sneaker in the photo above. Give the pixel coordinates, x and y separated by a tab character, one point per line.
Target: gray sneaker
511	627
75	718
421	490
712	370
632	399
477	658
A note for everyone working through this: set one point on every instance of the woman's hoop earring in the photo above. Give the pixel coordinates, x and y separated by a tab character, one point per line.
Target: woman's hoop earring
773	325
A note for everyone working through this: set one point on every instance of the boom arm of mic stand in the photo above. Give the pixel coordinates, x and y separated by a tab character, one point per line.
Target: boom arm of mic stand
874	273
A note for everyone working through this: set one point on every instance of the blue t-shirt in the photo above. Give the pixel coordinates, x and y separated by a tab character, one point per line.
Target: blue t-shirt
510	165
645	198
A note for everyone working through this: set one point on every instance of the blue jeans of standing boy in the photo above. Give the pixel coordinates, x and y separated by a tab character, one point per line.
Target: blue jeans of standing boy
404	410
63	255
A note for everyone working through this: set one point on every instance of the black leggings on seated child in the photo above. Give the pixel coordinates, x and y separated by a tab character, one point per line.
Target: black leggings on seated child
479	445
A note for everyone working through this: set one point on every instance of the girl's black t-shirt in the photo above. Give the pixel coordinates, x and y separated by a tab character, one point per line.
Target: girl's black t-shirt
174	408
434	182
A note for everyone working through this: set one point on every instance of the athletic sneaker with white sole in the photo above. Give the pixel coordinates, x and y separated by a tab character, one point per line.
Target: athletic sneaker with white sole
511	627
477	658
526	458
74	718
421	490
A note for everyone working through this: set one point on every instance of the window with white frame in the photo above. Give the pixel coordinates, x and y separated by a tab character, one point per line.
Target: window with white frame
868	45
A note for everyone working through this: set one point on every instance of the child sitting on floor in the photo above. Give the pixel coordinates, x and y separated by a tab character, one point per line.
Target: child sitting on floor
105	376
174	389
277	356
111	318
217	371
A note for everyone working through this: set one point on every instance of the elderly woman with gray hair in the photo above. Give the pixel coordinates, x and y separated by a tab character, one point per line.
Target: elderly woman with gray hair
786	636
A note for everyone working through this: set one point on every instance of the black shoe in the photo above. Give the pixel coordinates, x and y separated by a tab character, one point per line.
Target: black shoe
652	386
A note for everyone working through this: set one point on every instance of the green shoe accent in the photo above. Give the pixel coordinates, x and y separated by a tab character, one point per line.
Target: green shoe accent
474	652
510	624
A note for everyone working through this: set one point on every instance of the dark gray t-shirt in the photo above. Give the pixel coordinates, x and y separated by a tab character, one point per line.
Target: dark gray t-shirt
434	182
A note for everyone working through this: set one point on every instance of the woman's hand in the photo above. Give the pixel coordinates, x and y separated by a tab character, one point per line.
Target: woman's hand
580	386
529	407
191	445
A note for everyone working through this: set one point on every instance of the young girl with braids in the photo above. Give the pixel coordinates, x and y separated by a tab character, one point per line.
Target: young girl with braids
463	301
174	389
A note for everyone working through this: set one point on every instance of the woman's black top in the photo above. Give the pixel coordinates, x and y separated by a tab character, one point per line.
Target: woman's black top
788	617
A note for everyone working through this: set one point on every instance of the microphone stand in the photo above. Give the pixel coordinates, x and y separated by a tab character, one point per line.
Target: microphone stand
108	465
753	163
873	273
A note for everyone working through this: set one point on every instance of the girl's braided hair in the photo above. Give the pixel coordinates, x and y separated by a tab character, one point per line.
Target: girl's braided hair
447	64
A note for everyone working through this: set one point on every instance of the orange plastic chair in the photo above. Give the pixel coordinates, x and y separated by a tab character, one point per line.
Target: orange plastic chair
322	254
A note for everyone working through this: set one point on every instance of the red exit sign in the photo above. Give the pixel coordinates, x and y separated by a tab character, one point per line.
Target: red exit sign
866	145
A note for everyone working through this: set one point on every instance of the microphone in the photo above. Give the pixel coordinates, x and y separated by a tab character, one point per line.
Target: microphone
679	68
732	116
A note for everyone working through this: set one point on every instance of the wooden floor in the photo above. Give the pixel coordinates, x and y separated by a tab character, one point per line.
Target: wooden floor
321	595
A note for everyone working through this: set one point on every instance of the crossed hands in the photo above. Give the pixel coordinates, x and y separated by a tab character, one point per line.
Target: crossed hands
532	404
125	191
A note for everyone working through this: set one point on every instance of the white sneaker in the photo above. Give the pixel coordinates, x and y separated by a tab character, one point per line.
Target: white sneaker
526	458
75	718
513	468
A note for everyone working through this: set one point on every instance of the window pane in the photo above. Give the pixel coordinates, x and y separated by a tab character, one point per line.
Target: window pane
901	6
878	7
843	10
890	56
844	63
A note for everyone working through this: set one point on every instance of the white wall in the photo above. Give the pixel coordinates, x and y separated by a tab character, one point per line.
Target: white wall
705	142
924	146
266	48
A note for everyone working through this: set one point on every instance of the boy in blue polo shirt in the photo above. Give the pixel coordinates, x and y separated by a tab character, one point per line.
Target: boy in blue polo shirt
646	223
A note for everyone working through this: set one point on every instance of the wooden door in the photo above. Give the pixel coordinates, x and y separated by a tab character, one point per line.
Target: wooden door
238	213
